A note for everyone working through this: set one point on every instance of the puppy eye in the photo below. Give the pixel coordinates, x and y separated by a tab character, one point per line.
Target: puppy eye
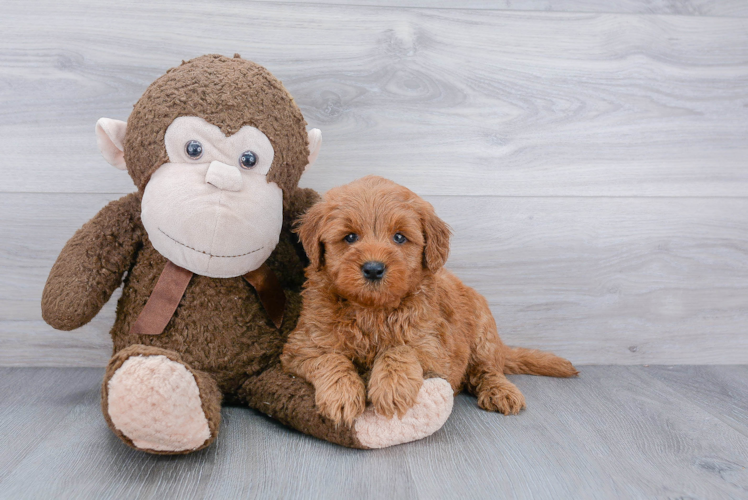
248	160
399	238
193	149
351	238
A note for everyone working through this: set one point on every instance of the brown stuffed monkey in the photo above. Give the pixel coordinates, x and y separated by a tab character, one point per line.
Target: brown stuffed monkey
210	269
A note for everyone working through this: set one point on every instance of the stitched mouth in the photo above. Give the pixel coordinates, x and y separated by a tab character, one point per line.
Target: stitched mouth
208	253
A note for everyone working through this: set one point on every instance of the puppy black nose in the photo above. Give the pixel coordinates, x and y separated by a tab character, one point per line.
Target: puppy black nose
373	270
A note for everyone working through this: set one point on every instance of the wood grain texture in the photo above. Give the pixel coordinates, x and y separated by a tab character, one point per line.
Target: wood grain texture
615	432
512	103
729	8
32	404
719	390
614	280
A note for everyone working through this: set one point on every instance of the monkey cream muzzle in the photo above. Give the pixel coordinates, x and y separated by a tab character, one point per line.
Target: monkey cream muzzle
224	176
205	219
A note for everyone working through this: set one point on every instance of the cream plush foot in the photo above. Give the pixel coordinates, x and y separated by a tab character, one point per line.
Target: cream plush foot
433	407
156	404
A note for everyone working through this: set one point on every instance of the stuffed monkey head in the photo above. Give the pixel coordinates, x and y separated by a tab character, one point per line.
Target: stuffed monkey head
215	146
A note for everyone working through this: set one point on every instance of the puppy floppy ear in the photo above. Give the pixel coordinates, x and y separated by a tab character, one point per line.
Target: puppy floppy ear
436	232
308	228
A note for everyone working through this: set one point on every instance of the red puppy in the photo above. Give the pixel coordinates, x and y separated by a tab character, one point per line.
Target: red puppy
381	312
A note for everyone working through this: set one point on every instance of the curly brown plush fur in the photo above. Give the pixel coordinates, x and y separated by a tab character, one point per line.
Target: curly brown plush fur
414	318
250	95
219	331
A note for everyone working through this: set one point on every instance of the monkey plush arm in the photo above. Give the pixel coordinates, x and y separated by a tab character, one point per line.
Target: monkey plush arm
92	264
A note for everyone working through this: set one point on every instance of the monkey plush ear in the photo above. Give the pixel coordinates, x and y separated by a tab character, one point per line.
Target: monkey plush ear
315	141
110	137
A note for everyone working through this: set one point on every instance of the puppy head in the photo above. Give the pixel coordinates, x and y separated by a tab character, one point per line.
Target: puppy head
374	240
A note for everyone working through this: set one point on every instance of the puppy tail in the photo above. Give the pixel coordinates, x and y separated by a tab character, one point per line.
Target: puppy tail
533	362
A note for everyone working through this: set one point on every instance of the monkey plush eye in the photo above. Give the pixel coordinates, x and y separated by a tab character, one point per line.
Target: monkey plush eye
399	238
248	159
351	238
193	149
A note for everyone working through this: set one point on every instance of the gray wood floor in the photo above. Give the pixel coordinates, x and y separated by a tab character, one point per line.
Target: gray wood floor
615	432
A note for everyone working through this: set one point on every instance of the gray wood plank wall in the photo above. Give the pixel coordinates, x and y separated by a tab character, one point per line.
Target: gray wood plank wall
591	157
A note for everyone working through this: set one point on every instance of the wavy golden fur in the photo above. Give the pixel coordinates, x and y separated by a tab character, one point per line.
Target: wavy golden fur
360	339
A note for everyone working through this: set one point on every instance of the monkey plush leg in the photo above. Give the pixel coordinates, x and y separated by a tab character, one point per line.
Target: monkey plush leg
155	402
290	400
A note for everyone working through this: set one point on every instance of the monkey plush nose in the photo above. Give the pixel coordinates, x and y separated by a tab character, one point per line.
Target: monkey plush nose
373	270
224	176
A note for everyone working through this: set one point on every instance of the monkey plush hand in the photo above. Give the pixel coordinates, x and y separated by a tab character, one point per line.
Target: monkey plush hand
216	148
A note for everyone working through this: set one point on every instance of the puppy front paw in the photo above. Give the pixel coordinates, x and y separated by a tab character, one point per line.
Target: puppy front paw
507	400
394	392
342	400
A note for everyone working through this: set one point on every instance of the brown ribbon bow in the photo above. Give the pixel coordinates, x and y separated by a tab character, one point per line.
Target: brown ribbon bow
173	282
